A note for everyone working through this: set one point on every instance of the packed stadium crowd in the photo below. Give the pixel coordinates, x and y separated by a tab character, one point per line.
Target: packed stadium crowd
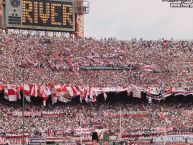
67	60
101	63
135	117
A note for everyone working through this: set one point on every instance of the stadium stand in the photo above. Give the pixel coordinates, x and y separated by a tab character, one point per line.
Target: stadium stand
64	69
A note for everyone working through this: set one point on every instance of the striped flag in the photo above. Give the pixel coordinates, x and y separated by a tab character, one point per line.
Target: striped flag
11	93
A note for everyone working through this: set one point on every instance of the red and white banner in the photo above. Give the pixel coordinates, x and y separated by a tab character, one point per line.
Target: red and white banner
66	92
11	92
127	114
38	114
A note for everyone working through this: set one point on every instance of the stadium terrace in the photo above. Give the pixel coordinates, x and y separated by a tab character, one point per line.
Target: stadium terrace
88	85
53	67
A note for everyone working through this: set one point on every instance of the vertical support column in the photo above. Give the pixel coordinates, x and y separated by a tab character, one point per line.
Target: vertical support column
80	25
1	14
79	19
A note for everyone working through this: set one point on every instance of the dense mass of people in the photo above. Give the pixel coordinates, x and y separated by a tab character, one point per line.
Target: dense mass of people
135	117
100	63
61	60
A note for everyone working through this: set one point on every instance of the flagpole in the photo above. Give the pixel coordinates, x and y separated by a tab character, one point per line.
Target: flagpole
81	132
120	124
23	106
165	132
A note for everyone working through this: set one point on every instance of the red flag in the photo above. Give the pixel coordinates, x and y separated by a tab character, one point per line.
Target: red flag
73	91
162	116
11	93
27	92
44	92
83	93
34	90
